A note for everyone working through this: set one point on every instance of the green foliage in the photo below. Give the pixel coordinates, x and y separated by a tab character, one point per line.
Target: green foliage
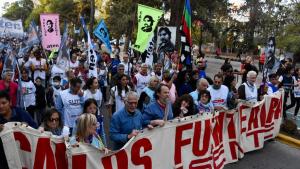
19	10
289	39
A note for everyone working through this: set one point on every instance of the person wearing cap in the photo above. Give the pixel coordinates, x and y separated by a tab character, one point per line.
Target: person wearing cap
10	87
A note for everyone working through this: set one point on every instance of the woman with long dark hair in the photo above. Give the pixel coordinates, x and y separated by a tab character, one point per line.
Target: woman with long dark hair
93	91
118	92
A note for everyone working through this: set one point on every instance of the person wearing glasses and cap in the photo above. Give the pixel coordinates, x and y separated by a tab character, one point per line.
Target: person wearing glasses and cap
127	122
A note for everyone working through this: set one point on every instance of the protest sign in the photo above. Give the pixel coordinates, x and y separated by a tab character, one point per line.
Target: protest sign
101	32
10	28
92	59
147	20
200	141
50	31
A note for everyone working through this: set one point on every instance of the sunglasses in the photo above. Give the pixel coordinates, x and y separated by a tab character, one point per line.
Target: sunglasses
52	120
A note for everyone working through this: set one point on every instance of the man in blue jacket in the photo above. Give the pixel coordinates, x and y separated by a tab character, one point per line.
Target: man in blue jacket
9	114
159	111
127	122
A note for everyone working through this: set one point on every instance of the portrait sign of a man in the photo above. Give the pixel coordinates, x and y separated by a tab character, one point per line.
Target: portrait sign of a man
165	43
49	26
148	23
103	32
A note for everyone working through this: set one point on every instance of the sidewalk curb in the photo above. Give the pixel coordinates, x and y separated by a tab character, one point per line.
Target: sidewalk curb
289	140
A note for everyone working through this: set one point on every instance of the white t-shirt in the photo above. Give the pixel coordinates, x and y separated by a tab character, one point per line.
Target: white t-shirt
39	64
74	65
28	92
119	100
219	96
97	96
142	82
126	68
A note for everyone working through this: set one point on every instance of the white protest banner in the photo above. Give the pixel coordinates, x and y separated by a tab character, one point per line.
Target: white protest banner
11	28
27	148
92	59
50	31
200	141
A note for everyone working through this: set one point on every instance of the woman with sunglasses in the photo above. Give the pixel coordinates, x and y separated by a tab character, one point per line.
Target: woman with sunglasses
52	122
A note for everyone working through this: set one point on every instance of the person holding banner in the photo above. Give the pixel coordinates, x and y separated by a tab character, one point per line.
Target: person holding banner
248	90
219	93
11	114
159	111
127	122
87	132
52	122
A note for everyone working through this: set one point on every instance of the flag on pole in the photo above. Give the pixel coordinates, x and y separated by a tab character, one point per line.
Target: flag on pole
20	96
102	33
92	59
186	40
9	63
33	37
50	31
148	18
63	56
84	25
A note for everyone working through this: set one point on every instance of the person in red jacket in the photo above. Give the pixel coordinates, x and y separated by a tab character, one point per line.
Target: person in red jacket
11	87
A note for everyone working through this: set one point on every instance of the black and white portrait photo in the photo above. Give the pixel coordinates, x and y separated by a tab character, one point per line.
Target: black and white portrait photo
49	26
166	37
147	23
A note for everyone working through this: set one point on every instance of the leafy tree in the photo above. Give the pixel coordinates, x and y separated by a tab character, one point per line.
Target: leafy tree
19	10
289	39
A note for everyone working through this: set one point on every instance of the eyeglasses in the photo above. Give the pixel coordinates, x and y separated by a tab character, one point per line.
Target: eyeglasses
52	120
131	103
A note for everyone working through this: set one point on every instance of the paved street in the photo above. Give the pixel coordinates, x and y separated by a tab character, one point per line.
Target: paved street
274	155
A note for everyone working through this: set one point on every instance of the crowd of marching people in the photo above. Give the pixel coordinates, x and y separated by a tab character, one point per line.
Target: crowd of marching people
68	103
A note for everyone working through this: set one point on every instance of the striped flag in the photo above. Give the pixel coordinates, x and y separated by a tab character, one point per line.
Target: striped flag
186	40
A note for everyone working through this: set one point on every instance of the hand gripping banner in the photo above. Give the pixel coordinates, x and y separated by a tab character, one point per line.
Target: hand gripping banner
200	141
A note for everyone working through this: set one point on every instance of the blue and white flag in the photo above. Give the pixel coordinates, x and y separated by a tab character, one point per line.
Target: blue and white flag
92	59
84	25
102	33
32	34
10	63
63	56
